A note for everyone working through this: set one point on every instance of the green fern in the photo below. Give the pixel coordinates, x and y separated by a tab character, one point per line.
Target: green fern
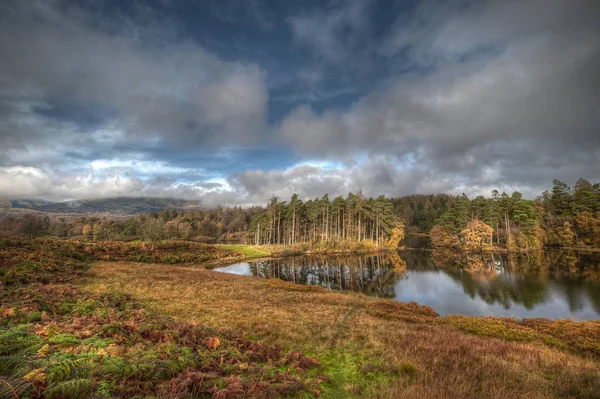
98	342
117	366
16	339
11	363
14	387
64	340
65	369
78	388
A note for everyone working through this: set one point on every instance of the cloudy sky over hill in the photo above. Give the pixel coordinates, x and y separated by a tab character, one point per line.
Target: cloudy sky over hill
230	101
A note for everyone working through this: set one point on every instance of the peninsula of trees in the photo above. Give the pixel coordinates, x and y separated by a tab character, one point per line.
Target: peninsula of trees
562	217
354	218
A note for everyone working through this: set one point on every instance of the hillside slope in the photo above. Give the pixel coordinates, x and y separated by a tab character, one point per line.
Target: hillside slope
118	205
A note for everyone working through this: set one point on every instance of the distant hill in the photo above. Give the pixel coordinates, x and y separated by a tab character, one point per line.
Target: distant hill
28	203
119	205
5	203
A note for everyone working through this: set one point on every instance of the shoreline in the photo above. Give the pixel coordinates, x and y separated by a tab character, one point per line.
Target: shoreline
506	251
335	344
330	326
283	251
495	249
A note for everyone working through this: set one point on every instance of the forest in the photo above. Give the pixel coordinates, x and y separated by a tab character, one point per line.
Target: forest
561	216
354	218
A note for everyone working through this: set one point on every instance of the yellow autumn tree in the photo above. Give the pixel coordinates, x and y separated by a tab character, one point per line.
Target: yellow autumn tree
566	234
185	229
588	226
443	236
596	230
476	236
396	236
97	231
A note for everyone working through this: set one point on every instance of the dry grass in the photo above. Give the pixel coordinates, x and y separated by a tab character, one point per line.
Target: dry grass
58	341
44	260
578	337
305	248
368	347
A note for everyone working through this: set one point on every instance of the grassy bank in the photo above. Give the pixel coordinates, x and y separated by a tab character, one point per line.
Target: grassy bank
249	251
377	348
59	341
42	260
83	320
323	247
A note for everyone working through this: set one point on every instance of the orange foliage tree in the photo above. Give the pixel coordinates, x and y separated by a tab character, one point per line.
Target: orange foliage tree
396	236
588	226
476	235
443	236
566	234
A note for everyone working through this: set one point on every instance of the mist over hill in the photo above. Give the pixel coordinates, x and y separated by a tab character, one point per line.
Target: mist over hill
118	205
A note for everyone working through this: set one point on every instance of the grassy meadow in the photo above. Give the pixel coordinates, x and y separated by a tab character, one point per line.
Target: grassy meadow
376	348
80	320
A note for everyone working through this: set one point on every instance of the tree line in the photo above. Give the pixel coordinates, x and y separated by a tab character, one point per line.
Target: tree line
419	213
210	224
354	218
561	216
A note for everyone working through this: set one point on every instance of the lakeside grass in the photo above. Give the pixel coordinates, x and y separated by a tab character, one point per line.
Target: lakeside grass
59	341
373	348
83	320
306	248
249	251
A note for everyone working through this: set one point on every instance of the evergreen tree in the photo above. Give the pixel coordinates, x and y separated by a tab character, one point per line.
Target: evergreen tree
560	198
584	197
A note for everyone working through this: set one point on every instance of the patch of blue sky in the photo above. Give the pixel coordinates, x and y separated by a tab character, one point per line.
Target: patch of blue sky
85	117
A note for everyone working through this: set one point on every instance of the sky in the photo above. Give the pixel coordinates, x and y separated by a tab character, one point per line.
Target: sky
232	101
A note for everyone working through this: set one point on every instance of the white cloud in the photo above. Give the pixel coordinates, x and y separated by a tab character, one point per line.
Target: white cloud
504	94
514	100
139	167
20	182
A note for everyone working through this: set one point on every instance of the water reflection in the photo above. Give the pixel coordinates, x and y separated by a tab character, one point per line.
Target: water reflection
372	275
554	284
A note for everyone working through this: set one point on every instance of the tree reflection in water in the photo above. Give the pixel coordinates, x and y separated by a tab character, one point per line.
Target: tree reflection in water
503	279
375	275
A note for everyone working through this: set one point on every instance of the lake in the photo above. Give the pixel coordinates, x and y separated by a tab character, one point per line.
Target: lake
553	284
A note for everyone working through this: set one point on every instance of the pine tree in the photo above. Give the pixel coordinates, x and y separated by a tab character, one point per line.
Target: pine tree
560	198
584	198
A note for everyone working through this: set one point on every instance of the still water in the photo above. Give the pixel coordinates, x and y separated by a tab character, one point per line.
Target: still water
553	284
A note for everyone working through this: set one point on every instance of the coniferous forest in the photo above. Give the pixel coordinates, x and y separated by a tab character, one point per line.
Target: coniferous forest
561	216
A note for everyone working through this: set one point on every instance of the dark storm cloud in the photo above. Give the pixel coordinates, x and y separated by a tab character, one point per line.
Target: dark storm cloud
514	84
154	83
102	98
334	32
